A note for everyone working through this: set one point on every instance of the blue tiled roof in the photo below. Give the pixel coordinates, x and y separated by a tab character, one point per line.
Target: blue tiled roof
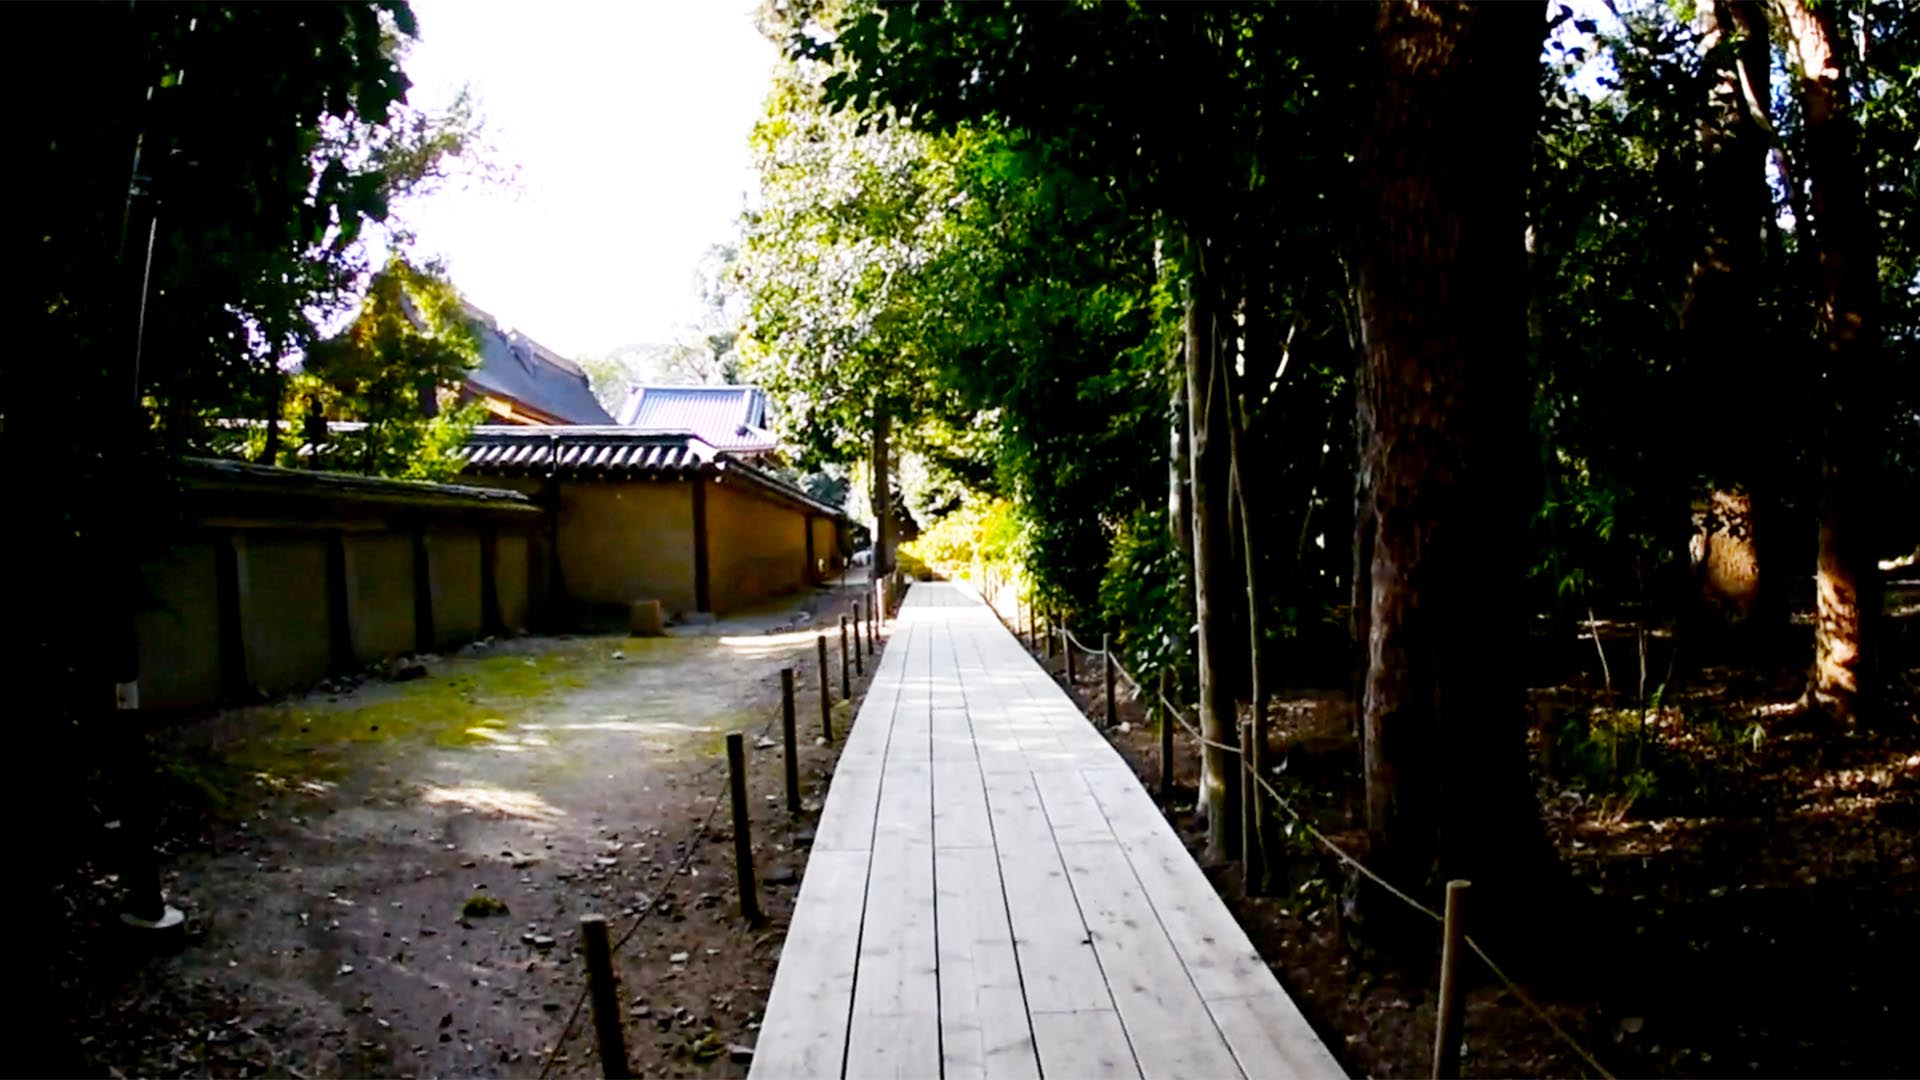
727	417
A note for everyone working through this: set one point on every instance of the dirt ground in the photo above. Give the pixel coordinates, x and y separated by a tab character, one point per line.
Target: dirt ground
1744	907
352	838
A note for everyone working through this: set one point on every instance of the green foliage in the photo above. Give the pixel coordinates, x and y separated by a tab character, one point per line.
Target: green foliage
1143	596
199	191
840	267
980	532
411	338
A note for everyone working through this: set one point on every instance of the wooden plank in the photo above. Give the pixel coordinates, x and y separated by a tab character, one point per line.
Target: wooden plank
960	818
952	735
1056	957
1269	1037
983	1010
896	1007
805	1030
1071	812
853	797
1169	1026
1084	1045
1215	951
995	742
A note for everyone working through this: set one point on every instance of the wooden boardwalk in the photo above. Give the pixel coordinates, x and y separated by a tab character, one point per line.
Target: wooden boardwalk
992	893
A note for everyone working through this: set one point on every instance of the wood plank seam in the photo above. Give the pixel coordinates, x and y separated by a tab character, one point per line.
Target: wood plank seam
866	898
1082	911
993	834
1161	923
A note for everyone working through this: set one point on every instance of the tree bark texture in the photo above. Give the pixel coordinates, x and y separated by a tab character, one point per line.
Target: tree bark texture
1847	581
1441	288
1215	582
883	523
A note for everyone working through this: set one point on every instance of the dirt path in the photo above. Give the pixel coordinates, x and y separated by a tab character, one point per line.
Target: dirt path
556	776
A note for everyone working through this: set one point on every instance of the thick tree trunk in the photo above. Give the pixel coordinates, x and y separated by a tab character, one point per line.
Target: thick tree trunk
1442	298
881	467
1720	319
1214	600
1847	583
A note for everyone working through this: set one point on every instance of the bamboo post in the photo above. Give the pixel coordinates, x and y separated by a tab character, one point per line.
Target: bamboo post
1050	635
1107	676
1066	650
1447	1019
1166	742
787	732
742	834
846	672
1249	834
826	689
608	1035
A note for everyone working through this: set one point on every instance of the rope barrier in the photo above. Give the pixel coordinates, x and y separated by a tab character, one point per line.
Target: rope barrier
1179	715
1083	646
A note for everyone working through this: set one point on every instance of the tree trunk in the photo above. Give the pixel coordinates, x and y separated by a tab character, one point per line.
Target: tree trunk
1720	319
883	523
270	453
1180	498
1444	164
1214	601
1257	669
1847	583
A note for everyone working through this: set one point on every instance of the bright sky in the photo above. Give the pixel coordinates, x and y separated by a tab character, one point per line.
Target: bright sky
628	123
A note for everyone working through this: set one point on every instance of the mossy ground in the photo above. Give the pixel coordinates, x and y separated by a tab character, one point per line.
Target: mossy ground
466	701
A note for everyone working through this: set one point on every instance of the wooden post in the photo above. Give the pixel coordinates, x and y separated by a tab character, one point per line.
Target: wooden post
742	833
1166	742
872	641
1049	621
1249	835
607	1032
1447	1020
786	730
880	599
826	691
859	666
846	672
1066	650
1107	675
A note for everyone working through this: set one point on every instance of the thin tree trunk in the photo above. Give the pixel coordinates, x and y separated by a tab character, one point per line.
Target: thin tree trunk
1256	648
1179	487
1847	584
270	453
883	524
1441	269
1360	586
1213	600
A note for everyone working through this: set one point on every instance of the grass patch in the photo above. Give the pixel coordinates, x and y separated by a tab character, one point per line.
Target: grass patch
480	906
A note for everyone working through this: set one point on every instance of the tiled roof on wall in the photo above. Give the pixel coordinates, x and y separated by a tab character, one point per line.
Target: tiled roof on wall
615	453
725	417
